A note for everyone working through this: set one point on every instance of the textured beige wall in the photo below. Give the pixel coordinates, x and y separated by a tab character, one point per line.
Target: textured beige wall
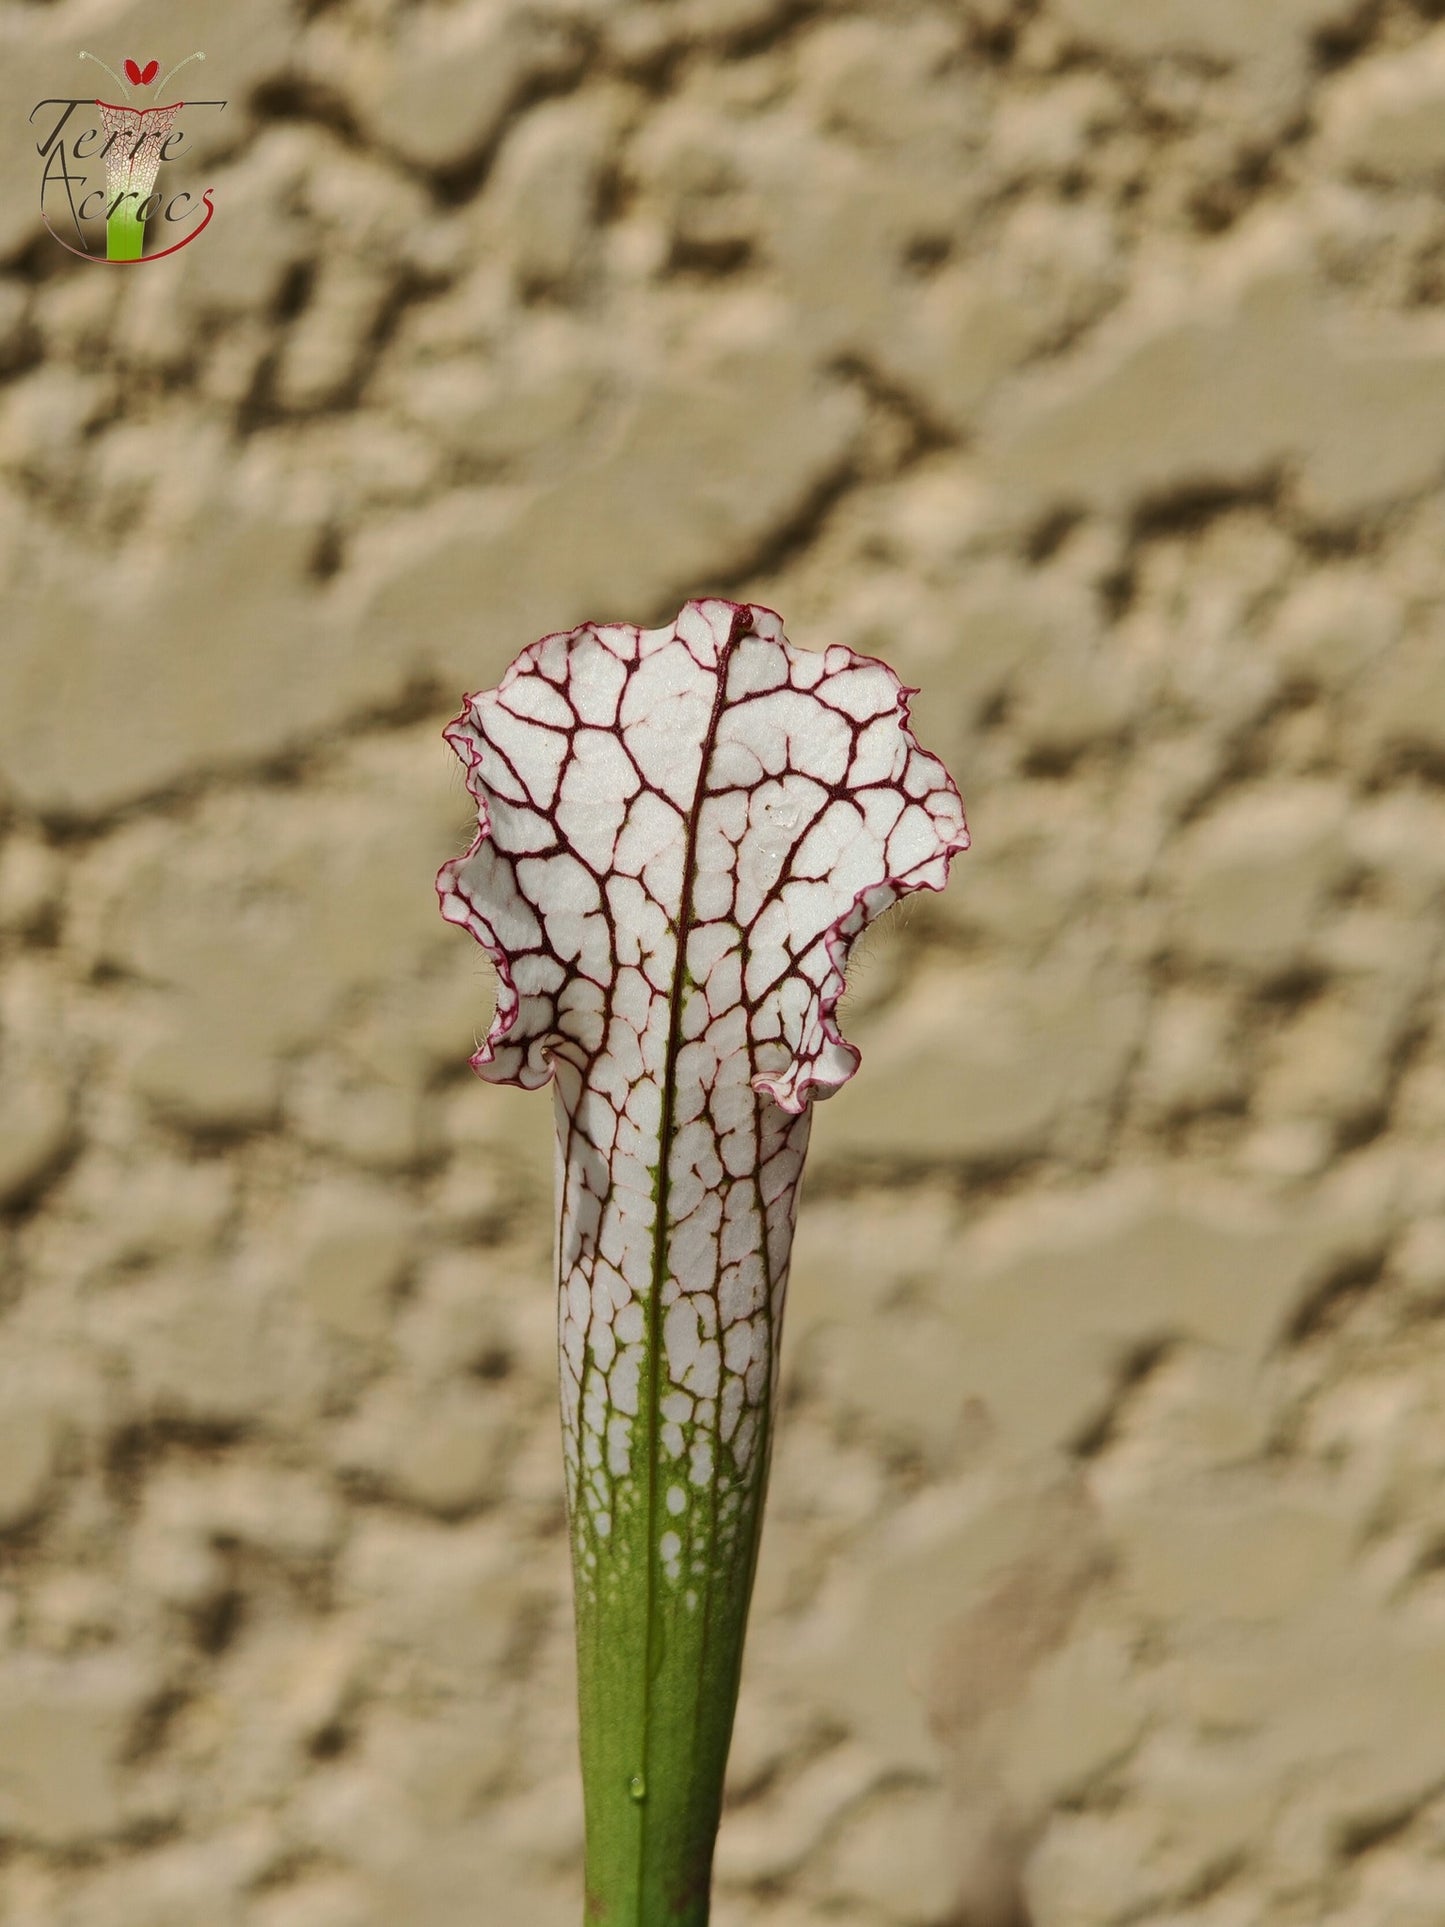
1086	359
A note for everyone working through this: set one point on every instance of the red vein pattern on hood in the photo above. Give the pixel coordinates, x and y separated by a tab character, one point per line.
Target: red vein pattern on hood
133	149
681	833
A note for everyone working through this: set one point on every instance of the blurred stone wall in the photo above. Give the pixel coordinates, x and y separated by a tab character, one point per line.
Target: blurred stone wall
1085	358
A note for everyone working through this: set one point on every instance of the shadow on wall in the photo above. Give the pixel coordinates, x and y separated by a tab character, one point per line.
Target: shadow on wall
983	1665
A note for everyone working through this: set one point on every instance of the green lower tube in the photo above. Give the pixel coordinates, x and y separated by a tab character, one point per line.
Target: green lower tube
125	236
657	1705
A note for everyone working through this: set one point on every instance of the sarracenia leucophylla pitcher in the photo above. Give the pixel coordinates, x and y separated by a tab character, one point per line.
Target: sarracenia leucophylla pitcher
681	833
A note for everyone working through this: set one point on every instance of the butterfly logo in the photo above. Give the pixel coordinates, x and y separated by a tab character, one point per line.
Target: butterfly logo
138	76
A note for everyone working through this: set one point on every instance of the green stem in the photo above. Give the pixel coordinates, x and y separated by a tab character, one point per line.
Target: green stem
124	234
658	1688
662	1599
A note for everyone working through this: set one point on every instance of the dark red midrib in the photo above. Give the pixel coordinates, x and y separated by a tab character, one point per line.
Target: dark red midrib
740	627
